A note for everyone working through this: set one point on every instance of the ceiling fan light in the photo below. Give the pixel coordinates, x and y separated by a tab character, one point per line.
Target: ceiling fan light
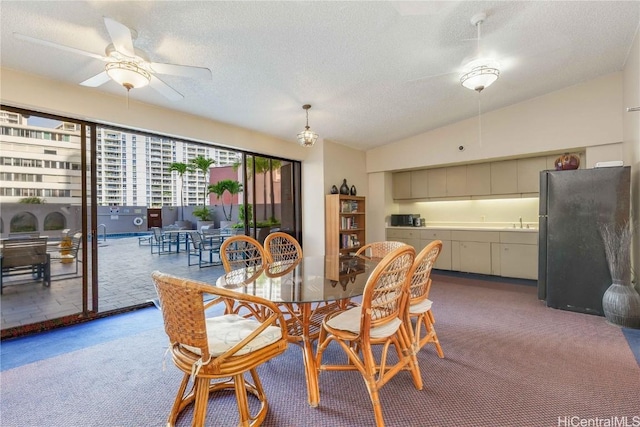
480	77
307	137
128	74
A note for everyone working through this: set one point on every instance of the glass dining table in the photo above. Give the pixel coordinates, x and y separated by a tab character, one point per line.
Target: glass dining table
305	290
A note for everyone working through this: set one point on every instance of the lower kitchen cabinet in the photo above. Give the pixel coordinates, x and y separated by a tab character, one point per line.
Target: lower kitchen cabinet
471	257
519	261
499	253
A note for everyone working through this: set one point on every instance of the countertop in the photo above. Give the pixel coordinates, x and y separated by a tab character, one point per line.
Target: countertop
471	228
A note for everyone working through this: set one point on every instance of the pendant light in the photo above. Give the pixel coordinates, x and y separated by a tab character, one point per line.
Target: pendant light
307	137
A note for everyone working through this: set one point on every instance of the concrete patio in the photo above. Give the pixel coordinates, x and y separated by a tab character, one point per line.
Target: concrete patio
124	280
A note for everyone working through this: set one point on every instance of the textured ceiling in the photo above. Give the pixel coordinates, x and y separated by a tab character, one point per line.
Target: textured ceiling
362	65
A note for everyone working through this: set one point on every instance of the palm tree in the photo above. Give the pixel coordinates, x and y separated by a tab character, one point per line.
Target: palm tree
233	187
203	164
263	166
181	169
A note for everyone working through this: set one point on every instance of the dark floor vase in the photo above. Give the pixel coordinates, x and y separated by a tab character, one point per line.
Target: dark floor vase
621	305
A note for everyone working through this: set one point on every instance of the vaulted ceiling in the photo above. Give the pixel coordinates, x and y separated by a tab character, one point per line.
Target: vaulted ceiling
374	72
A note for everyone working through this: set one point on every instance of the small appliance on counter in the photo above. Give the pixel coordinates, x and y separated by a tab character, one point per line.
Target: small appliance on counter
419	222
403	220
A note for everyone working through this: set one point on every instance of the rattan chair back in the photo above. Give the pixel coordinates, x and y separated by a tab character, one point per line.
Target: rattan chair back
281	246
419	303
242	251
378	250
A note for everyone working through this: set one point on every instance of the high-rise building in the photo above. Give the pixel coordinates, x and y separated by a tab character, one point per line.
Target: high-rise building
131	168
39	161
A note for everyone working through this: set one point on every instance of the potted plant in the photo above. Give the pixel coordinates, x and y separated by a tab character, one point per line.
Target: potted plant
219	188
204	216
620	302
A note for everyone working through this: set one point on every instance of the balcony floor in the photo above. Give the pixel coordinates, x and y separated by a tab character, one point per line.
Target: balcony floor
124	280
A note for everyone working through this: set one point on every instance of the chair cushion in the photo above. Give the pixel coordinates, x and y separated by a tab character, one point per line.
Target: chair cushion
420	307
349	320
223	332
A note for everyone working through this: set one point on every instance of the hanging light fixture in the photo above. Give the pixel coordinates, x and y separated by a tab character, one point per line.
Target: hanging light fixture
128	74
307	137
481	72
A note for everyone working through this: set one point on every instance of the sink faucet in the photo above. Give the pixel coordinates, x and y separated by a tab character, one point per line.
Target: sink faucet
520	222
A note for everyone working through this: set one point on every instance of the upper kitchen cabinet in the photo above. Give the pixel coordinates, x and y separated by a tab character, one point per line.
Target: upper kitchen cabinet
420	184
456	181
504	177
402	185
437	182
529	174
479	179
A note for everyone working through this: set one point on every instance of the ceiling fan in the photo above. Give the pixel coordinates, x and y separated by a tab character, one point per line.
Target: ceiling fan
479	72
128	65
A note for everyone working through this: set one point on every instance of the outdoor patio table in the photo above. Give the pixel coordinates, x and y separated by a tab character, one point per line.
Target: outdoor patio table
306	290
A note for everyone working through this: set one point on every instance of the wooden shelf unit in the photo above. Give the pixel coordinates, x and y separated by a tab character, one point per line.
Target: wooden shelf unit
345	224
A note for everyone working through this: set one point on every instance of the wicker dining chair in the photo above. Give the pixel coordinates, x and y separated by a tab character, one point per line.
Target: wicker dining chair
378	250
214	353
280	246
381	320
242	251
419	302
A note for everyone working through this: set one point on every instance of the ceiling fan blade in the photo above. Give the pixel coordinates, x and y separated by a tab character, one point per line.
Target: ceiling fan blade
58	46
181	70
430	77
120	36
97	80
165	89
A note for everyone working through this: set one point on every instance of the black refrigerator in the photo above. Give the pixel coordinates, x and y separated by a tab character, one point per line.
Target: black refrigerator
572	267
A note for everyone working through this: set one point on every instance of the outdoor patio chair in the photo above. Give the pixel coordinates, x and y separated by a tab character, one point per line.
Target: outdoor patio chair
419	302
281	246
215	353
209	247
161	242
381	320
68	253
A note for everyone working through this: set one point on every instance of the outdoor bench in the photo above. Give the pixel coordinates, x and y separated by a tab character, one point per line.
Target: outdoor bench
25	256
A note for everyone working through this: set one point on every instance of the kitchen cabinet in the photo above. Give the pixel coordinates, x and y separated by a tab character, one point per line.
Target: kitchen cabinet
405	235
456	181
479	179
504	177
444	259
420	184
518	255
529	174
437	182
402	185
471	250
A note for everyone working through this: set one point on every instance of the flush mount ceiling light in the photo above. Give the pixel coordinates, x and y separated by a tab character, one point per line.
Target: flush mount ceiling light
128	74
307	137
481	72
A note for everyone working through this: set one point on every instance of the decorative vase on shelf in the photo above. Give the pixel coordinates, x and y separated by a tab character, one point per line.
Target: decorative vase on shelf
567	162
344	188
334	189
353	191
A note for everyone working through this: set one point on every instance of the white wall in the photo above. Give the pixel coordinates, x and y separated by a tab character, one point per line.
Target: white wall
631	131
569	119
